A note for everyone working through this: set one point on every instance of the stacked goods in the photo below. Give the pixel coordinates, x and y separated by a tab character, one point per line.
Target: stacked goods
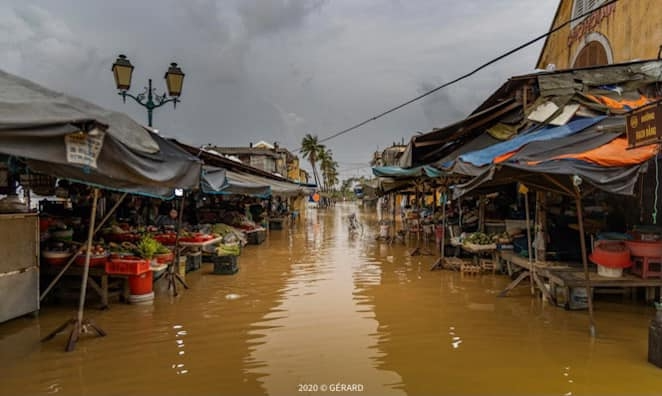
611	258
229	233
57	253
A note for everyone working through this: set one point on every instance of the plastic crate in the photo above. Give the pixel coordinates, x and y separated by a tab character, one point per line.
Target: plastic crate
127	266
276	224
256	237
225	265
193	261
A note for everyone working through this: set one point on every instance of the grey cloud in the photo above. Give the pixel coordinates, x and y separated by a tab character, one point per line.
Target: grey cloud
268	17
277	69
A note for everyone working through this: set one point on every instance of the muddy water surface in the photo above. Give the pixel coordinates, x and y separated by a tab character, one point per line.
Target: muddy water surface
315	310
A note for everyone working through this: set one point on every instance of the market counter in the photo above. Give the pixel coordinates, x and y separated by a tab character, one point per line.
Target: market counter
104	284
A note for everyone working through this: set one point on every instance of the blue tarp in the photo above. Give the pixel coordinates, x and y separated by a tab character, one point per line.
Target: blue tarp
398	172
486	156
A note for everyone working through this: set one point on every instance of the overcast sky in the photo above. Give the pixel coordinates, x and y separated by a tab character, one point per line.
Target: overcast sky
275	70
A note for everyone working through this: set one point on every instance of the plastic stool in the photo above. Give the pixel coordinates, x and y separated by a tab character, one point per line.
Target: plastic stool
647	267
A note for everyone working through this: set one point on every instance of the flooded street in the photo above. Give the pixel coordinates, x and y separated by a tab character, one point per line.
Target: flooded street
313	308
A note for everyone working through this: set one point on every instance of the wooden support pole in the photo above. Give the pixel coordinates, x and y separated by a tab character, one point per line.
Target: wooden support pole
587	278
481	213
528	238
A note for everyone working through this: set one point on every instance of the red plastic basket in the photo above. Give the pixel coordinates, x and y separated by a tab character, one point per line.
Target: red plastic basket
127	266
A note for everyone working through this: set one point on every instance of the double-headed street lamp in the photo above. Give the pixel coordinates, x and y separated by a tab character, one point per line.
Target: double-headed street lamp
122	69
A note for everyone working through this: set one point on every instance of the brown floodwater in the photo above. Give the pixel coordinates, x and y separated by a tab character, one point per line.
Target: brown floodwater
314	309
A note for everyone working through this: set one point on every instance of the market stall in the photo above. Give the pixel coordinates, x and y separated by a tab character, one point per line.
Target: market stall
69	138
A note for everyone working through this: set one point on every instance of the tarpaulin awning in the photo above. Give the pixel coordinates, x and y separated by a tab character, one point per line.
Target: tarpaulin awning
220	181
66	137
399	172
599	158
432	146
555	176
27	105
487	155
614	154
277	187
247	174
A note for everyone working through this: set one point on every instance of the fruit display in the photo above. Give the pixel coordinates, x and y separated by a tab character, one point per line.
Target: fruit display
195	237
98	255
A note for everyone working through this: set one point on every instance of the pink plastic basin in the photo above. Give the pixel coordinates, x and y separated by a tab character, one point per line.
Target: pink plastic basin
645	248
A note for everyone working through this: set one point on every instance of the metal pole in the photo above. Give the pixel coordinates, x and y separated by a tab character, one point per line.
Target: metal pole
86	268
587	278
150	103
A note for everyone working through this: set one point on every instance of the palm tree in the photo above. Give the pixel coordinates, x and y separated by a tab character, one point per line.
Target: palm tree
324	157
310	149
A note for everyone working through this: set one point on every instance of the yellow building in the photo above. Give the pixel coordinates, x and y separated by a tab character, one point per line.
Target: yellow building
613	33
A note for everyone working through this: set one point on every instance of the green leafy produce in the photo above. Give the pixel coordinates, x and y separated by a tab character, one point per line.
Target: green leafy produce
147	247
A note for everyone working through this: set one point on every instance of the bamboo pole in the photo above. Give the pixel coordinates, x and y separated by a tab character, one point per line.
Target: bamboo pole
587	278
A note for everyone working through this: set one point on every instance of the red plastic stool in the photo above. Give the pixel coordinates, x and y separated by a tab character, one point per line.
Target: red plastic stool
647	267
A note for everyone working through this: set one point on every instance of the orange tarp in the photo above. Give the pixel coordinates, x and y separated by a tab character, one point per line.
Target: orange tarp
504	157
614	153
621	104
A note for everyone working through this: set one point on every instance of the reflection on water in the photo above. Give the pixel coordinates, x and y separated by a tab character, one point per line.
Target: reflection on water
315	306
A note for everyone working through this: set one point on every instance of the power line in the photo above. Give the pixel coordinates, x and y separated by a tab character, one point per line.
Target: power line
467	75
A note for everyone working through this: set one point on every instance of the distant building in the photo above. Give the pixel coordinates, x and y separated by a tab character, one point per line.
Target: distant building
617	33
268	157
389	156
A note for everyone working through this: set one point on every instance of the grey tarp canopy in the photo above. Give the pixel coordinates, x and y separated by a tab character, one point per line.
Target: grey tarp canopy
282	188
220	181
247	174
35	122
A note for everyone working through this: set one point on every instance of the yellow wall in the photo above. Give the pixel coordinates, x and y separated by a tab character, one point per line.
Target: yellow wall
633	29
293	170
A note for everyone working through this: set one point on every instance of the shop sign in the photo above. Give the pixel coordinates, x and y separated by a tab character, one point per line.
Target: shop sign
644	126
84	148
590	23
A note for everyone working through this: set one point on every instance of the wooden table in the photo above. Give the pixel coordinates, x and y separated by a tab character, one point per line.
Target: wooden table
100	281
569	275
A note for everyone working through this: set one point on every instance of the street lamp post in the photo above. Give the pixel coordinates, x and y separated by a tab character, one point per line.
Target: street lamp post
122	70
